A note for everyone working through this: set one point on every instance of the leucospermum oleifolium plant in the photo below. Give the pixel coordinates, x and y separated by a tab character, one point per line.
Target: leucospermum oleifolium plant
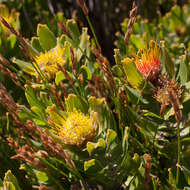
87	125
68	122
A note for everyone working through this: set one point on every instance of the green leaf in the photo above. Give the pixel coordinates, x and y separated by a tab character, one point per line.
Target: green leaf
183	71
110	137
186	92
42	176
33	100
137	41
25	66
62	39
52	167
147	113
59	77
37	111
46	37
67	46
36	44
133	76
93	166
125	140
75	102
129	180
117	70
9	186
74	31
31	50
117	56
98	105
92	146
13	183
96	102
88	164
171	177
84	38
12	39
135	96
60	17
186	174
168	63
86	72
40	122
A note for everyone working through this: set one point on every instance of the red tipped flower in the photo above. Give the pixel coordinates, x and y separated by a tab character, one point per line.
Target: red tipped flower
148	62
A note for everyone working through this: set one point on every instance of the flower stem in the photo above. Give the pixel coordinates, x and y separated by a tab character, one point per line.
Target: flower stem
93	32
178	152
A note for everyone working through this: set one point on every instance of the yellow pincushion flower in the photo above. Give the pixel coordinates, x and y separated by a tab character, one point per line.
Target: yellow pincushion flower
48	62
76	128
10	17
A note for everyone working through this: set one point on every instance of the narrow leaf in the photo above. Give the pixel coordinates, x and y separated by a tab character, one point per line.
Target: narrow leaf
133	76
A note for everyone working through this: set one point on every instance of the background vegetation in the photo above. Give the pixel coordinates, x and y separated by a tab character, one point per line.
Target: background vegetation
142	131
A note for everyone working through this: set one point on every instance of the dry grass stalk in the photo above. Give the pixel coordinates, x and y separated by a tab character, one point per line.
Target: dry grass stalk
123	98
108	73
6	100
10	27
5	61
65	29
11	75
74	62
51	146
83	6
92	88
174	100
148	166
131	22
57	95
106	69
81	79
64	89
42	187
99	85
70	80
26	154
27	55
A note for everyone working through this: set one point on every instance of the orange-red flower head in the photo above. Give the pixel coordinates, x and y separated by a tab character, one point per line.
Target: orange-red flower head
148	61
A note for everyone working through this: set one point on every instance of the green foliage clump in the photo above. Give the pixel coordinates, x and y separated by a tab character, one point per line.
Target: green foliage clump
85	124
